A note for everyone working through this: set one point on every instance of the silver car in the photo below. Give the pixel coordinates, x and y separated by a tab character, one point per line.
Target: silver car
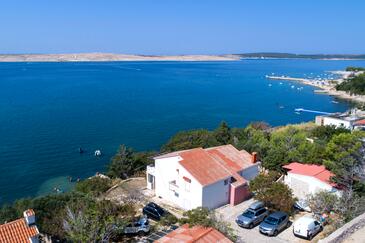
274	223
255	214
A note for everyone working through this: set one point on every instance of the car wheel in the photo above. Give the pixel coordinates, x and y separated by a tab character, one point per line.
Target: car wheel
320	229
275	233
250	226
141	233
310	237
288	224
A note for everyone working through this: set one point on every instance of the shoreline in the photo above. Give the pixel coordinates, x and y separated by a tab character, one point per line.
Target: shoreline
325	86
109	57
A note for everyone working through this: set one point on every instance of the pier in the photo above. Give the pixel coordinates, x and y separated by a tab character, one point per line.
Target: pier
312	111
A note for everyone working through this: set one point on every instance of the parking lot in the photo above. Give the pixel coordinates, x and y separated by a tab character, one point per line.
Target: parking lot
229	214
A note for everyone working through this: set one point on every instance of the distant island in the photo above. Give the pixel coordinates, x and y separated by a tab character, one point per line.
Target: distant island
301	56
110	57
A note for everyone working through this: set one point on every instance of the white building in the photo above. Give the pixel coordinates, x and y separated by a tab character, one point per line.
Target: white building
203	177
352	120
20	230
306	179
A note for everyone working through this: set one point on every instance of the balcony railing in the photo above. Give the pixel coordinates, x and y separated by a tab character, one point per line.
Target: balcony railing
173	186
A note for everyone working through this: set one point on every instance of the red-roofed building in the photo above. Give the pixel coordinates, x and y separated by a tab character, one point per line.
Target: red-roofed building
306	179
199	177
196	234
21	230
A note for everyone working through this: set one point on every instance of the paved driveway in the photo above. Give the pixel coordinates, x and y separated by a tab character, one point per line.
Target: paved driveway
229	213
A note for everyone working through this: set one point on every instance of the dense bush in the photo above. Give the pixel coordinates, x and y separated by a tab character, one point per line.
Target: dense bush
275	195
353	85
93	186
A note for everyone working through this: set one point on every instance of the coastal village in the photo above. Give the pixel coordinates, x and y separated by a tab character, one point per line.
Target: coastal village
217	194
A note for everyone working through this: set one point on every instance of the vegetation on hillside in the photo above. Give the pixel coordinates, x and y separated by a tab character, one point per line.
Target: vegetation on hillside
274	194
353	85
355	69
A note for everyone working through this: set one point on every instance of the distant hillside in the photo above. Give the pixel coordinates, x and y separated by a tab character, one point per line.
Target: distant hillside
291	55
109	57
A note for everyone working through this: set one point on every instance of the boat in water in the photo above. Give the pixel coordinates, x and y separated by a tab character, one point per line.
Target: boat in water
97	153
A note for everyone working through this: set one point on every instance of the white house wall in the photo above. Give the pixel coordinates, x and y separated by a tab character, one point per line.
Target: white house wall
165	171
304	185
191	198
186	196
251	172
336	122
216	195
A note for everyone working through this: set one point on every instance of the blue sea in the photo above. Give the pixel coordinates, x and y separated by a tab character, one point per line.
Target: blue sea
49	110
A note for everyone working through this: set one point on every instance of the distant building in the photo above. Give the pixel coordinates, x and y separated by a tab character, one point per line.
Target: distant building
199	177
21	230
196	234
306	179
353	120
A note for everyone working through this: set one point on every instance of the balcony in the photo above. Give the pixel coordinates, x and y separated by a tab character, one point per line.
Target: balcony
173	186
150	169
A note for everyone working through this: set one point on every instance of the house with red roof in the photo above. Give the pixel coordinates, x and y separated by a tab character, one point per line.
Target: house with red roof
196	234
200	177
306	179
21	230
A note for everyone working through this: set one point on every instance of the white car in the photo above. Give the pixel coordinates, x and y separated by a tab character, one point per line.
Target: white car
306	227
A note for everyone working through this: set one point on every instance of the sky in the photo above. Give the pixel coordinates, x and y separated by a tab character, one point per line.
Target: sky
169	27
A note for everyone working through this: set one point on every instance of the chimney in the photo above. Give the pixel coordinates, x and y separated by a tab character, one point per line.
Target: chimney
254	157
29	216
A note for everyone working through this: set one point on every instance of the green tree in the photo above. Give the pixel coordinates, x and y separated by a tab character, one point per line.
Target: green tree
93	221
204	217
325	133
323	202
126	162
252	139
93	186
290	144
223	134
353	85
275	195
345	155
190	139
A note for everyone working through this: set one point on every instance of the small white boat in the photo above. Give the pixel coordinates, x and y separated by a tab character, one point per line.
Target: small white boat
270	85
97	152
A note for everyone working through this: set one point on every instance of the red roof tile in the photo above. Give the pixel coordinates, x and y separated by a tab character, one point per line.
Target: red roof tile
360	122
196	234
17	231
203	167
210	165
316	171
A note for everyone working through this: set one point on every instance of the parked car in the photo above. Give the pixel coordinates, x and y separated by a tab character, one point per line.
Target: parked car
306	227
141	226
153	211
274	223
254	215
302	205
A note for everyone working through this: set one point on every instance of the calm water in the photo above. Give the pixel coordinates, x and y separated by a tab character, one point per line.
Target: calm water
49	110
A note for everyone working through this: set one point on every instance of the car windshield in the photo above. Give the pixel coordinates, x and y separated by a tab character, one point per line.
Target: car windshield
271	220
248	214
160	211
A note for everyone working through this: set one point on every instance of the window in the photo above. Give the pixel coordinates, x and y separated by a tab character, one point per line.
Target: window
187	186
150	178
226	182
176	194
